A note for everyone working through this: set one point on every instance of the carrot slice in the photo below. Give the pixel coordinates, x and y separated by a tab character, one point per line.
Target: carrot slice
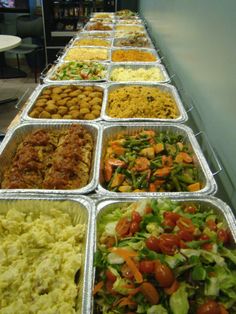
163	172
126	255
194	187
98	287
126	301
183	157
123	252
158	147
152	187
174	287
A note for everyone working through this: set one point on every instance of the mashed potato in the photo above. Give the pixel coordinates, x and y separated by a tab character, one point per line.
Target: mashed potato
39	258
141	74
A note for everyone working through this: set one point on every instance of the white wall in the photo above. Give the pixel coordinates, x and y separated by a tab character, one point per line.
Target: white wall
198	39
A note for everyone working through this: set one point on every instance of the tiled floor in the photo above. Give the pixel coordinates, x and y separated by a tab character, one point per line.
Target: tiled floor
14	88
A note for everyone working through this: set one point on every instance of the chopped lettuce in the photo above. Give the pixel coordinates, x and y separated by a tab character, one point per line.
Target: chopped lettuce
230	254
157	309
174	261
212	287
120	286
179	300
211	257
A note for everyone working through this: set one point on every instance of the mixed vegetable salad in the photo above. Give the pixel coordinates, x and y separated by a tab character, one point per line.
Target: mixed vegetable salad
150	161
161	256
80	71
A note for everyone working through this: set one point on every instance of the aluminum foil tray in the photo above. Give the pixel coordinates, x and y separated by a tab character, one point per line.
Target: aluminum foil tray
109	41
84	33
94	47
86	27
135	66
55	67
38	91
81	210
127	21
120	34
106	204
110	131
140	28
221	209
152	51
183	117
98	14
107	20
15	136
116	44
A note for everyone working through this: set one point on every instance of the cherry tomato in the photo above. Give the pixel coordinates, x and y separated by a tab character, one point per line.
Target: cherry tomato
223	309
122	227
203	236
109	286
182	244
150	292
152	244
136	217
209	307
110	276
185	235
146	266
207	246
168	243
211	224
126	272
223	235
172	216
174	287
134	227
168	223
148	210
186	224
190	209
109	241
163	275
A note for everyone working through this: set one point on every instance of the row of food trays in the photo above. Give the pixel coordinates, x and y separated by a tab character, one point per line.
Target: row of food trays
106	197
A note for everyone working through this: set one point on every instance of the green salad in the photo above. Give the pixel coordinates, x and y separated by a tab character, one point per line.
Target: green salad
161	256
73	70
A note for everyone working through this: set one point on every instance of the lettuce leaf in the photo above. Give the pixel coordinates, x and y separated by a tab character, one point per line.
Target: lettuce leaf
179	300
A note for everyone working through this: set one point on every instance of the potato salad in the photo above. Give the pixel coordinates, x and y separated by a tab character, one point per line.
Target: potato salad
40	257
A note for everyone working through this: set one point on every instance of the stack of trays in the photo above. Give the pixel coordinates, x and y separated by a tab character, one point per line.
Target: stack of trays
110	86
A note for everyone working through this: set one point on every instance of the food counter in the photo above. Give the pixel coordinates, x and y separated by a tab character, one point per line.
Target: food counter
105	191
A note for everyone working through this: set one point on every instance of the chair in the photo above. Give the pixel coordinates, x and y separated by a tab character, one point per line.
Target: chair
29	27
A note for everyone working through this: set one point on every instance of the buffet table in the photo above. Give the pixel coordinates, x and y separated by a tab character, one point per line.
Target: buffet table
112	188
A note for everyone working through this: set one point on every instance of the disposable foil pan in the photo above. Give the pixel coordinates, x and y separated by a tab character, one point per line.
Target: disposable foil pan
120	33
98	14
16	135
38	91
151	51
81	210
182	114
84	33
106	205
103	20
104	30
140	28
90	48
127	21
108	40
110	131
135	66
116	44
55	67
220	208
